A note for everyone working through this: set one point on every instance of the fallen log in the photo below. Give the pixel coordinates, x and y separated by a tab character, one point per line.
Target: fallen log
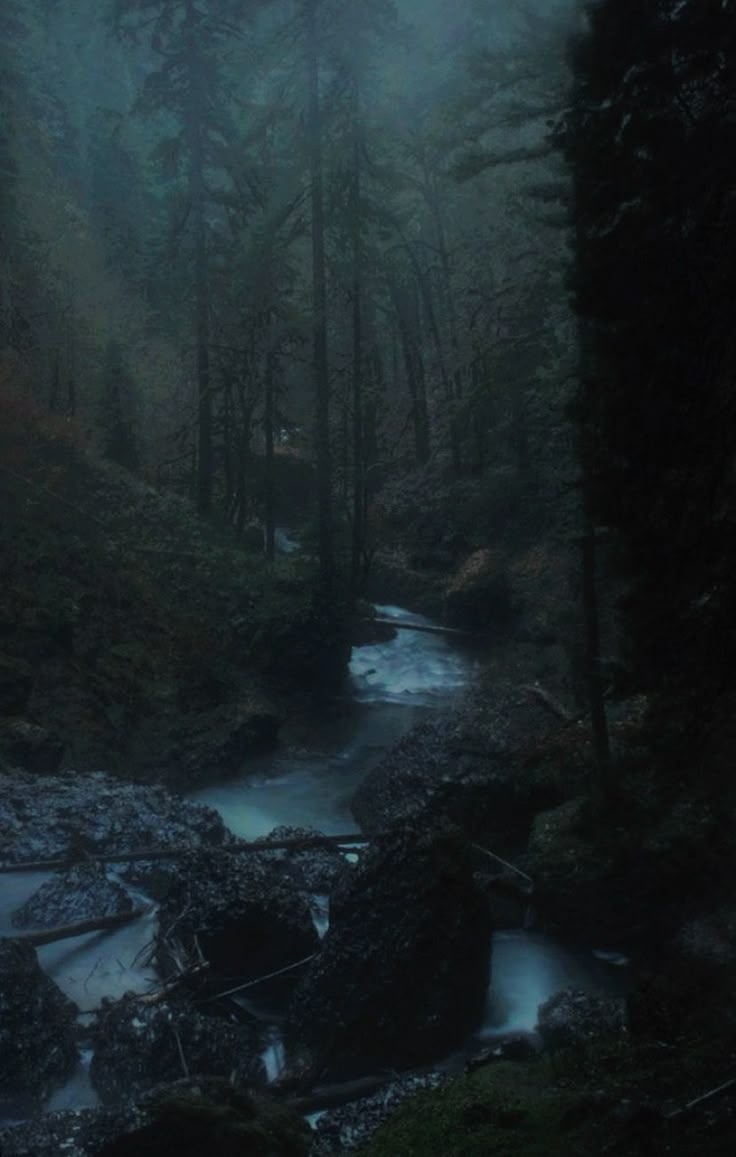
429	628
61	862
67	931
332	1096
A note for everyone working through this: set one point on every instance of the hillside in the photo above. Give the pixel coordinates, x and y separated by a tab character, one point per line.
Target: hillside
133	635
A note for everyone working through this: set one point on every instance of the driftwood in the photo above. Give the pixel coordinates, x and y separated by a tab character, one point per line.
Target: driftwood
61	862
428	628
331	1096
67	931
259	979
528	881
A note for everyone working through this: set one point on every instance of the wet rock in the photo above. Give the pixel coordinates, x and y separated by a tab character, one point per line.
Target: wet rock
188	1119
138	1046
16	682
313	870
239	911
520	1046
82	893
572	1017
473	767
350	1127
37	1048
711	940
49	817
403	970
480	593
26	744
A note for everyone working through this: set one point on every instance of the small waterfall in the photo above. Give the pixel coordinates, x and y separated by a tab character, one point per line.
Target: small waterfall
274	1057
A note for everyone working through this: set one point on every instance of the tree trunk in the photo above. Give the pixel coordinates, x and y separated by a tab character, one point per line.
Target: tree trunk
320	366
268	464
195	131
425	291
414	373
358	529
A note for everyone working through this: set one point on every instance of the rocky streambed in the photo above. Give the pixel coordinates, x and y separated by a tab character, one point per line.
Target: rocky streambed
225	979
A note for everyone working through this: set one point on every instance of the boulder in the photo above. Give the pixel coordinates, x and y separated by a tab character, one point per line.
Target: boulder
138	1046
37	1045
189	1118
82	893
478	766
480	593
572	1017
403	971
238	911
26	744
44	817
311	870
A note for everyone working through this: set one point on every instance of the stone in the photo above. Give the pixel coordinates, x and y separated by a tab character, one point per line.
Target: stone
403	971
37	1043
239	912
139	1046
573	1017
45	817
312	870
82	893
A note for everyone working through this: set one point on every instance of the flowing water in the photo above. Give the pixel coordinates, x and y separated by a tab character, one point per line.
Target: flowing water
392	685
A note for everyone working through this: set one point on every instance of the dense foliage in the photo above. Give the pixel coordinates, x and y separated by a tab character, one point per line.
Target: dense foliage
651	142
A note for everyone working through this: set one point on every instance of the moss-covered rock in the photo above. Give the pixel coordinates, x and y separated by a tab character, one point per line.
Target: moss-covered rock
403	971
37	1047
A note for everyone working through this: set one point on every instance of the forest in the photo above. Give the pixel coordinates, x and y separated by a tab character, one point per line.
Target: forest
367	616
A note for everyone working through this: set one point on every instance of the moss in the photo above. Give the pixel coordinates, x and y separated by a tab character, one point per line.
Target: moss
501	1110
223	1121
612	1097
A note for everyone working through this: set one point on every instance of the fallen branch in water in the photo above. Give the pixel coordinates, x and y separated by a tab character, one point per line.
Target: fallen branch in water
332	1096
429	628
701	1100
67	931
62	862
258	980
506	864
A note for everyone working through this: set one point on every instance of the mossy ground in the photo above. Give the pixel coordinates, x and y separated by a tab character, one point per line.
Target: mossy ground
611	1098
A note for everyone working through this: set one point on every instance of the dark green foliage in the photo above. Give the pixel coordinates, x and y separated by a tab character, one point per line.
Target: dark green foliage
652	142
220	1120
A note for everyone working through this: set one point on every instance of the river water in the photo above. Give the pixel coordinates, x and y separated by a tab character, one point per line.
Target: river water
391	686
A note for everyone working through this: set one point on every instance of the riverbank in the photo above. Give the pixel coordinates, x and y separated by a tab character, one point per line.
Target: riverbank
134	636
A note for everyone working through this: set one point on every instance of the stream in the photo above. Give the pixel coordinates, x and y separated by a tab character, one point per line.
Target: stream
391	686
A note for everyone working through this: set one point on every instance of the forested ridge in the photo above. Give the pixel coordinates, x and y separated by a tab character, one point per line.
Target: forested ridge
307	306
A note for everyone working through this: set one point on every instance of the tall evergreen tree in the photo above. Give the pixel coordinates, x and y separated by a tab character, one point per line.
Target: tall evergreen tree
188	89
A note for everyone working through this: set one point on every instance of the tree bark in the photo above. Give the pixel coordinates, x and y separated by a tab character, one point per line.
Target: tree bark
358	528
268	432
320	362
195	130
